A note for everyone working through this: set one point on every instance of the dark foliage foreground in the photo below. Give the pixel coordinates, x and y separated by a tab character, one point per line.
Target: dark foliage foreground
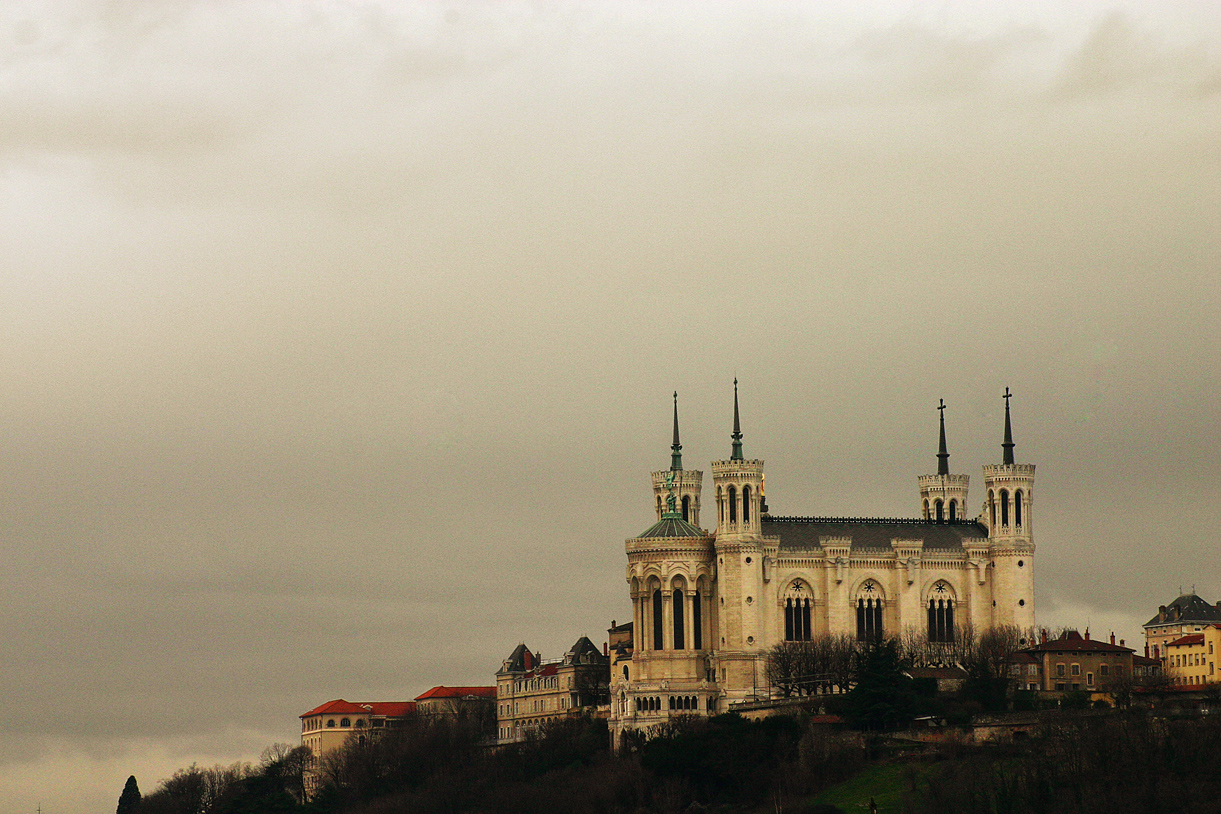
1102	765
443	765
1091	765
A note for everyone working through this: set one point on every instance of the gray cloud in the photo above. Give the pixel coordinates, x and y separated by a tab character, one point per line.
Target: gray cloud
338	340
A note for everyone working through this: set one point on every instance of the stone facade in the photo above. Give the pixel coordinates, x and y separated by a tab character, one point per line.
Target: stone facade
531	692
1187	614
707	606
1191	660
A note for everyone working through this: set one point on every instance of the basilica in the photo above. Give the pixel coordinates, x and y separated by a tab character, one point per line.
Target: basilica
707	606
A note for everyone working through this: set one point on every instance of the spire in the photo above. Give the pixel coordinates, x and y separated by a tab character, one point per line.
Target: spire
676	449
736	455
1007	446
943	457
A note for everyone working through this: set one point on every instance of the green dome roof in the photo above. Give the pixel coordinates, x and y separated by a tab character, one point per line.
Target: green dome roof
671	525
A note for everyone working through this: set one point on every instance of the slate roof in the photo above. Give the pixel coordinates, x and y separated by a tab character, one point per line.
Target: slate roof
669	526
802	533
520	659
1187	608
583	647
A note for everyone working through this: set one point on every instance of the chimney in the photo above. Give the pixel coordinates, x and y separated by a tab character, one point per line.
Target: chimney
1120	641
1087	634
1043	636
1146	650
1161	613
605	649
1112	637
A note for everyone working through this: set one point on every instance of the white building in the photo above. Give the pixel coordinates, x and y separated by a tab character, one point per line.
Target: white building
707	606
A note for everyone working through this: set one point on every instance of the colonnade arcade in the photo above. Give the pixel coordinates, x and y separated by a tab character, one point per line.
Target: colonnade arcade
673	615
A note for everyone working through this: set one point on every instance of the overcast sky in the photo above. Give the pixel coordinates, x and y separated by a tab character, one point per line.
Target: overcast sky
337	340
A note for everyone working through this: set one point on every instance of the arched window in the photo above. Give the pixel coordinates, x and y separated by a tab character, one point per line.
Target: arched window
659	507
953	510
869	612
720	505
687	508
697	619
658	624
1017	508
330	722
346	722
941	613
797	601
939	510
1004	496
745	504
679	643
926	515
992	508
732	495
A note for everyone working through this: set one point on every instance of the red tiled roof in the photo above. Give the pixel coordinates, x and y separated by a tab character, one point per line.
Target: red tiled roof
458	692
393	709
390	709
825	719
546	670
1072	641
336	707
1191	638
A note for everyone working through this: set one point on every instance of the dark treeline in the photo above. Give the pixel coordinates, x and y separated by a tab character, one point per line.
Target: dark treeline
1090	765
441	764
1085	762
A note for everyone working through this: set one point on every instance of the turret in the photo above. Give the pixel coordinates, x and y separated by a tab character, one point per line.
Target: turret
1009	516
943	497
738	482
738	485
1009	492
684	484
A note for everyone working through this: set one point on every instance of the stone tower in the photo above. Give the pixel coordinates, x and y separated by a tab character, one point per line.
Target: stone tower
738	485
686	483
943	497
1009	517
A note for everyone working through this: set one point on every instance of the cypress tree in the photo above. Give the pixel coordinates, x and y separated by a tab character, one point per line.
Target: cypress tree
129	800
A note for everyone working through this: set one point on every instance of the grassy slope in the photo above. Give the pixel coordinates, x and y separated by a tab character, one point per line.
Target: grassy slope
888	784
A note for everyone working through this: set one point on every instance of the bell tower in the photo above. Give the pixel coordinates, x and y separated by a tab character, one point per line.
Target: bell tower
738	484
1009	517
686	484
943	497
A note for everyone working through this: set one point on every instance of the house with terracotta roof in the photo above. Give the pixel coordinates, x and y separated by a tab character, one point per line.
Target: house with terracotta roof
1191	660
326	727
444	700
1071	662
